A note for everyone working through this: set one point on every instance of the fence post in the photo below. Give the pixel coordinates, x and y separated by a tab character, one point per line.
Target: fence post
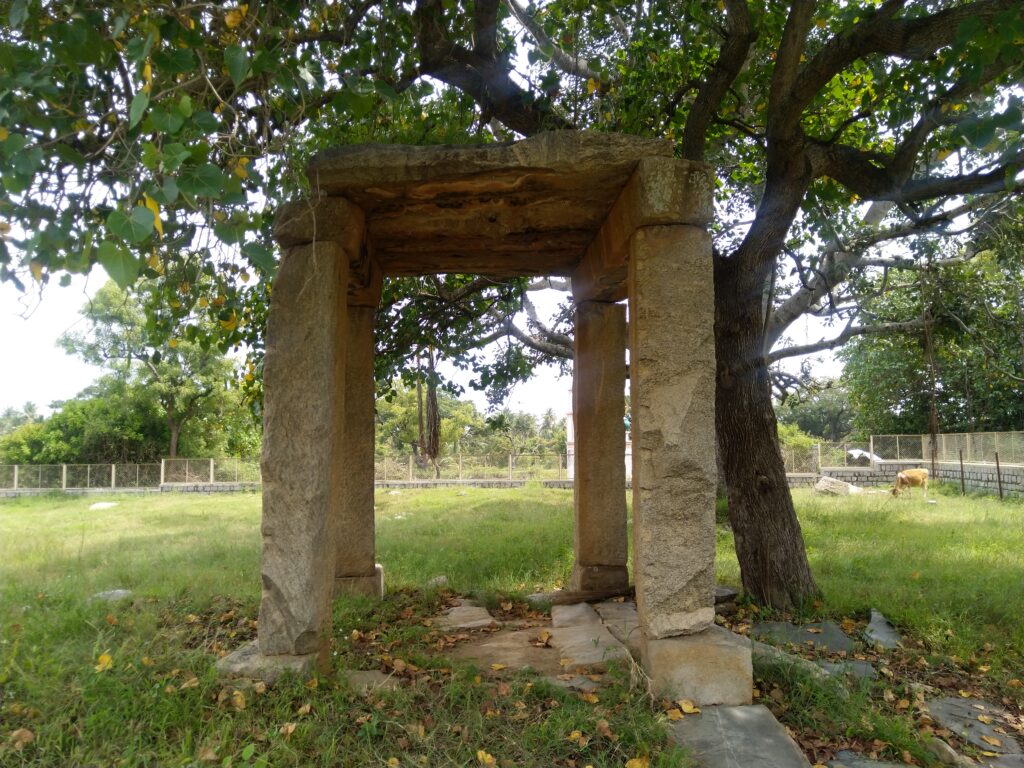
817	458
63	477
211	472
460	465
963	485
999	477
138	471
113	475
510	466
559	466
15	477
162	471
88	476
410	467
871	451
385	468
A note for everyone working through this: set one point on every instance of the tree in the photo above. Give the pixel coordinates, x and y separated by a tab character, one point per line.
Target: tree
12	418
187	380
823	411
976	322
170	117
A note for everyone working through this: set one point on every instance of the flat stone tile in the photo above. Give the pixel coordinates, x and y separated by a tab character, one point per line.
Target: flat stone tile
587	645
725	594
847	759
365	681
622	620
737	737
573	615
516	650
862	670
961	717
826	635
881	632
465	617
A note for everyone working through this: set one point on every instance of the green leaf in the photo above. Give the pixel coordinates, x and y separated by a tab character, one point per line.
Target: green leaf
260	257
175	61
139	104
134	228
206	121
163	121
121	265
205	180
18	14
185	105
237	61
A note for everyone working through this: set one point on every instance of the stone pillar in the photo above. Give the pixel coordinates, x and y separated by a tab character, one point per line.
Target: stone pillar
356	571
303	377
672	386
599	488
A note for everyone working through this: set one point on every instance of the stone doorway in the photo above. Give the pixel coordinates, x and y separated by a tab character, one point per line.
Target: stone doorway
624	220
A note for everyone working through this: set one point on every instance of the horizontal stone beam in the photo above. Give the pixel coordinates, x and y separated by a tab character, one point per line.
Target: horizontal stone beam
662	190
321	219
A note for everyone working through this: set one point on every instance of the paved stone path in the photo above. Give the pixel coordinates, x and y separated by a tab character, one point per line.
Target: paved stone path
976	721
825	635
737	737
881	632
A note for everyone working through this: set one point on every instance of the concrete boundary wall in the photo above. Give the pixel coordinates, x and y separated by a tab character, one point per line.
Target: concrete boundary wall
977	477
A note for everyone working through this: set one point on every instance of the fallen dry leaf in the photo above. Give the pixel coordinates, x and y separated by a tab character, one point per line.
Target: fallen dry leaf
638	762
485	758
287	730
498	667
674	714
688	707
992	740
206	754
21	738
590	698
104	662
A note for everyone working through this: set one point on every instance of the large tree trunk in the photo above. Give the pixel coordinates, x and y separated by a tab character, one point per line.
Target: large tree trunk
769	542
175	428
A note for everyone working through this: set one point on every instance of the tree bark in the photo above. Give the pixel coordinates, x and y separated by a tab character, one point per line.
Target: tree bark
175	428
769	542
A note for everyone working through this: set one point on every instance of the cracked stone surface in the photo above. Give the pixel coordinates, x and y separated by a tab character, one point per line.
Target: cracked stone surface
881	632
515	649
858	668
737	737
622	620
847	759
961	717
825	635
587	645
370	680
573	615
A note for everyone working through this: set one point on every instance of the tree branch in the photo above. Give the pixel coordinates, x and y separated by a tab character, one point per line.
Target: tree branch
571	65
847	334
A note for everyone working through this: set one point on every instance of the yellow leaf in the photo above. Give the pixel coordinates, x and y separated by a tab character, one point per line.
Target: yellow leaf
820	23
235	16
172	343
36	267
286	730
575	735
105	662
484	758
147	662
498	667
229	324
238	167
592	85
305	709
590	698
675	714
1015	683
238	700
147	72
312	683
4	133
207	754
191	682
21	738
985	719
154	206
992	740
393	762
688	707
639	762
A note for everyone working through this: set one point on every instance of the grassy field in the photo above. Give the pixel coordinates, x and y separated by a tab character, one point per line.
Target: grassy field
133	684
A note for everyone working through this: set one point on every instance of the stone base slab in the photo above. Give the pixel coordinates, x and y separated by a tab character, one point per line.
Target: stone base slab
711	667
598	578
737	737
247	662
364	586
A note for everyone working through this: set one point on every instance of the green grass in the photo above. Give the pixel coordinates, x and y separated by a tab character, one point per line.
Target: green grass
948	574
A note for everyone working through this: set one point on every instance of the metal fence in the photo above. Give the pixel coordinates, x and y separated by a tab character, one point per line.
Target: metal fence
977	447
227	471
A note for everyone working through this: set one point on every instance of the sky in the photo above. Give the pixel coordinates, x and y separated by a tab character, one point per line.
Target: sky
34	369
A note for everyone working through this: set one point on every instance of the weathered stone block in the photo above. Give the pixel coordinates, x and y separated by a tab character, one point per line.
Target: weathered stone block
363	586
672	381
599	493
713	667
303	373
248	663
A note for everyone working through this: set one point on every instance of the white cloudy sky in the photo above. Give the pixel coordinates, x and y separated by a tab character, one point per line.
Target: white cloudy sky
34	369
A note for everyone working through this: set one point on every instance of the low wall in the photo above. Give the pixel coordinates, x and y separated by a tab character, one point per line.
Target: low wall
977	477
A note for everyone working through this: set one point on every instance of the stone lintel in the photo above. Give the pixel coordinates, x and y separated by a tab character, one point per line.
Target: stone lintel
662	190
711	667
300	222
672	381
246	662
371	585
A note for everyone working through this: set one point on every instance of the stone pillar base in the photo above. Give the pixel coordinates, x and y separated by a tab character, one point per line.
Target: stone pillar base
710	667
366	586
598	578
247	662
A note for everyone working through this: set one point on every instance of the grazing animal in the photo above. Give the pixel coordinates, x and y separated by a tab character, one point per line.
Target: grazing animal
911	478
